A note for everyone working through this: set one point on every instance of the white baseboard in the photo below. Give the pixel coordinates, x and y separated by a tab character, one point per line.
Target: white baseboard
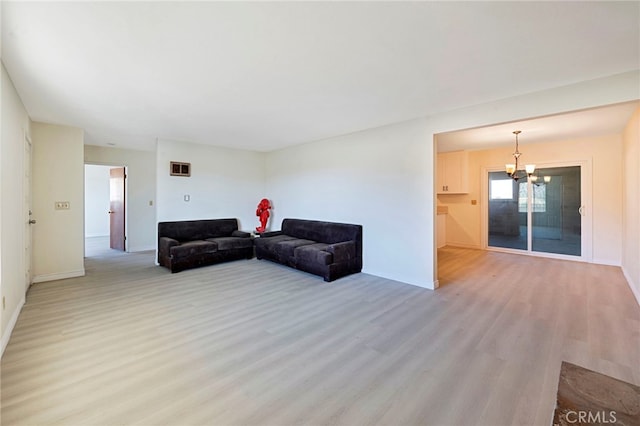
634	289
12	323
605	262
427	286
462	245
58	276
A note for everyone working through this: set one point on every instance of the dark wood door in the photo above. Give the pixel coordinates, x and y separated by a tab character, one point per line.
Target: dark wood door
116	208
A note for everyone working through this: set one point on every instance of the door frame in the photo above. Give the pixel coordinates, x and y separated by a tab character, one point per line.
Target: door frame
586	194
126	194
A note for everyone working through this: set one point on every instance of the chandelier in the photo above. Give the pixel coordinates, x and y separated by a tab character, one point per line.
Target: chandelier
512	168
534	180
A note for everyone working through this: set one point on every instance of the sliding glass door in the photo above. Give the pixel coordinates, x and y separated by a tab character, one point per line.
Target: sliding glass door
542	214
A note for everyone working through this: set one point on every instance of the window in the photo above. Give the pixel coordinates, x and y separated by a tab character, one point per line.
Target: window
538	202
502	189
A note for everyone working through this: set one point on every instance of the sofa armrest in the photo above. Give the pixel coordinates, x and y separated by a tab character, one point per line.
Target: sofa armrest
342	252
240	234
164	246
164	250
270	234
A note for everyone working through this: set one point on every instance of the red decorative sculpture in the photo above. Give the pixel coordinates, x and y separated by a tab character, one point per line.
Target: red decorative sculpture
263	212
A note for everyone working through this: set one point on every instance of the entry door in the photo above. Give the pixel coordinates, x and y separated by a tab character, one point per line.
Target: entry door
29	220
117	208
541	215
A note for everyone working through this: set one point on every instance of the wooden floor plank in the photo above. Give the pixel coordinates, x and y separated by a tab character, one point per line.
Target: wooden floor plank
253	343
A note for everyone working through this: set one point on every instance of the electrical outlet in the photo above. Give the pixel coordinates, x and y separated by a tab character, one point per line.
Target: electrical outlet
62	205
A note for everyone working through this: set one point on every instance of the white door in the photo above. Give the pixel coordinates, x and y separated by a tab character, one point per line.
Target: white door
29	220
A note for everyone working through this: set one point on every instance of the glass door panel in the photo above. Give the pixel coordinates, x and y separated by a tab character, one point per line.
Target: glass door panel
556	219
550	201
508	220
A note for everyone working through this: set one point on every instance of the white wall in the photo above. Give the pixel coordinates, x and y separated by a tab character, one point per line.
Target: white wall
631	204
375	178
398	214
603	154
13	285
224	183
141	191
96	200
58	175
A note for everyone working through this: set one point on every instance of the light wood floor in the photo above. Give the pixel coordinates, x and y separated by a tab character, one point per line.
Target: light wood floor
254	343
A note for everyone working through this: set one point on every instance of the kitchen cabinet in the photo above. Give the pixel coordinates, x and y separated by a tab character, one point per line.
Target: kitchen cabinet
453	172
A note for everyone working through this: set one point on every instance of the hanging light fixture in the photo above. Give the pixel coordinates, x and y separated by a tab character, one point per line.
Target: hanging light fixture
534	180
512	168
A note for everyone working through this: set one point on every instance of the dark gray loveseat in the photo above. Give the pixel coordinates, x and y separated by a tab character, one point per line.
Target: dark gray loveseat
192	243
331	250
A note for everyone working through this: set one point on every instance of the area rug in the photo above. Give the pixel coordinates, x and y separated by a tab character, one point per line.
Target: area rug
586	397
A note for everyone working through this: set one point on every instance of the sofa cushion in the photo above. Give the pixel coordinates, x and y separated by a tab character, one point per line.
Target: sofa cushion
313	254
269	242
284	249
229	243
192	248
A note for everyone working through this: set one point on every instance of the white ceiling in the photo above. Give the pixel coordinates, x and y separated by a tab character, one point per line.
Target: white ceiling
607	120
267	75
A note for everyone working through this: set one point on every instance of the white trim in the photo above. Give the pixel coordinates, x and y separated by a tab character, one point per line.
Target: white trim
606	262
538	254
634	290
58	276
427	286
462	245
12	323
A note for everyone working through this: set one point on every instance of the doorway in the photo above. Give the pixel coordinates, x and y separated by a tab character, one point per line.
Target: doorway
117	204
105	209
542	215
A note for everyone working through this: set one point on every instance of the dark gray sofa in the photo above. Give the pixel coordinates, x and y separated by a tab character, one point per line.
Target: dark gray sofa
331	250
192	243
